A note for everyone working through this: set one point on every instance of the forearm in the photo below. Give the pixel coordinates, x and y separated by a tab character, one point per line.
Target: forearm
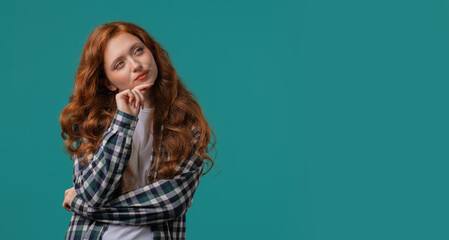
160	201
96	182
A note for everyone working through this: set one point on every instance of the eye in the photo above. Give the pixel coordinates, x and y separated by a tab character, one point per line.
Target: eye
118	64
141	49
137	50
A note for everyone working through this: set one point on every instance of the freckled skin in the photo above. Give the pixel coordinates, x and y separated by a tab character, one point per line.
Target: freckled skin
131	62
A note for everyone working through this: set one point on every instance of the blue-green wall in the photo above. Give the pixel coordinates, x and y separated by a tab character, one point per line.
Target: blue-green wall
331	116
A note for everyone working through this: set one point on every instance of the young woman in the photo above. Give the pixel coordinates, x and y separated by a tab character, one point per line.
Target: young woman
138	139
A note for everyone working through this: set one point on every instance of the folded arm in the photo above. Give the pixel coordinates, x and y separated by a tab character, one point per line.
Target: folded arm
157	202
96	182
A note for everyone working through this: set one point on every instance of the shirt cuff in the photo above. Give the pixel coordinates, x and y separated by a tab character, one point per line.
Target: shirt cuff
72	205
124	122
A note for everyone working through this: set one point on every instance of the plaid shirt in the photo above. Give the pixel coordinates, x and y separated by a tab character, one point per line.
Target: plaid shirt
161	204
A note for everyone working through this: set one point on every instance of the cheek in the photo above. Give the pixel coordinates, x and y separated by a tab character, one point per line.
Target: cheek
121	80
155	70
154	74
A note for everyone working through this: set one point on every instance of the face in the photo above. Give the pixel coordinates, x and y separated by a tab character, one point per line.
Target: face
126	57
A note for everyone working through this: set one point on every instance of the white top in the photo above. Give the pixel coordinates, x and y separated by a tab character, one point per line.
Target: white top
139	163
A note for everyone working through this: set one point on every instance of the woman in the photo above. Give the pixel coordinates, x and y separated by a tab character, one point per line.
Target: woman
137	136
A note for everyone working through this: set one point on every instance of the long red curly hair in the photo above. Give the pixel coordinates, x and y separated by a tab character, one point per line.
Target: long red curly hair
92	107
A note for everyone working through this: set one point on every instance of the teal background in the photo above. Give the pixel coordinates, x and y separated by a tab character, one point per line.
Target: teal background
331	116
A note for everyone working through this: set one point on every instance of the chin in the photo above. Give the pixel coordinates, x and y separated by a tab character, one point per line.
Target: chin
144	82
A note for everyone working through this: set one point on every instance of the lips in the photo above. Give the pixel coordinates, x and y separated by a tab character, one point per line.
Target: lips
142	75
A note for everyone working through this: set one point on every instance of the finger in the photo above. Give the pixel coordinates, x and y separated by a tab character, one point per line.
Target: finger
138	99
67	203
144	87
123	95
131	97
142	98
66	206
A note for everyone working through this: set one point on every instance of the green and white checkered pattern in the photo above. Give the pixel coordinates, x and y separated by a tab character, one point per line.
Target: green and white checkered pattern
162	204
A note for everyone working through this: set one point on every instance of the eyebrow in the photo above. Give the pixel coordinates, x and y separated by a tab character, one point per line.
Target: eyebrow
132	46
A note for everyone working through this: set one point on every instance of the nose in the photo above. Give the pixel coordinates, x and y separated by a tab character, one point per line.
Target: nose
136	66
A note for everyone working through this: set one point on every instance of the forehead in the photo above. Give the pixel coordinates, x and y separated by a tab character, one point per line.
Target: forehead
118	45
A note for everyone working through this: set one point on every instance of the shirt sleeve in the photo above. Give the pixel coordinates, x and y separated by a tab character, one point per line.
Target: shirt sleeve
157	202
96	182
